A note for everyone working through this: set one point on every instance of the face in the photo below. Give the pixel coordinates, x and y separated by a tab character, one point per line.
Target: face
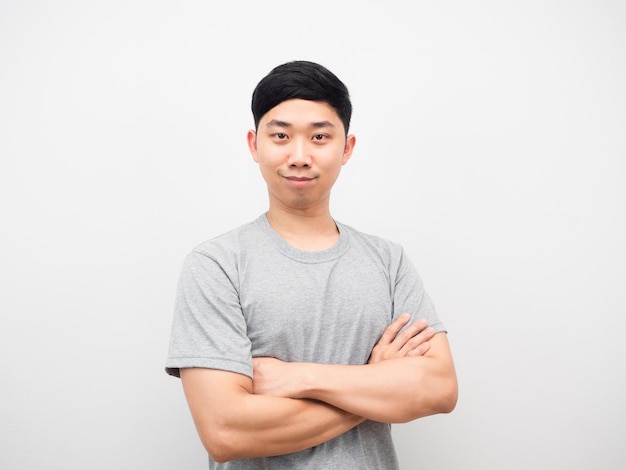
300	147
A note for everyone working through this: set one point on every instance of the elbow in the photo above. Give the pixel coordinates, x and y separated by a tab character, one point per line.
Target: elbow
439	399
448	396
219	457
219	454
449	400
221	445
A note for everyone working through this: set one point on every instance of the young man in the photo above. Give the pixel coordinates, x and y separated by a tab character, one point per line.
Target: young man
292	334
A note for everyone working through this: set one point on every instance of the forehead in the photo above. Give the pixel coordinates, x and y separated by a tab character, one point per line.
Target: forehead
301	113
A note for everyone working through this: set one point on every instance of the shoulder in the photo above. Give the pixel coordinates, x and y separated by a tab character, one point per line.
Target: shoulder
225	240
225	249
374	243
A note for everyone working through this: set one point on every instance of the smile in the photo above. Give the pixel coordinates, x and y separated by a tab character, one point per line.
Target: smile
299	181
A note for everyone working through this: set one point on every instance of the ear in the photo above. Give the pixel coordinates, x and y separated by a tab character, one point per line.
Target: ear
348	149
252	145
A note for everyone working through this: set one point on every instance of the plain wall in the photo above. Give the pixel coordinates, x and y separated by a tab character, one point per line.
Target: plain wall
490	143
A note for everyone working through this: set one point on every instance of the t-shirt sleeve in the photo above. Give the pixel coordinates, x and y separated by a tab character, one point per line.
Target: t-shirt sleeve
208	328
410	295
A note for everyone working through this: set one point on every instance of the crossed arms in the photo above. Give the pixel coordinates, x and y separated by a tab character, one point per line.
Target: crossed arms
289	407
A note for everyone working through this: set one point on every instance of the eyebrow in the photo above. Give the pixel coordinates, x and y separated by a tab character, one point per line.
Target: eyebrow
285	124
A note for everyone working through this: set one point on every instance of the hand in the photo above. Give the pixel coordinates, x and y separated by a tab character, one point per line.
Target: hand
273	377
413	341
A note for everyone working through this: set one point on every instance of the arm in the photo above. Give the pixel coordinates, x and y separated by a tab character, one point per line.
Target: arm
400	389
233	423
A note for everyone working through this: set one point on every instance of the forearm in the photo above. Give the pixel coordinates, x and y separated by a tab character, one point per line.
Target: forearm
393	391
399	389
266	426
240	424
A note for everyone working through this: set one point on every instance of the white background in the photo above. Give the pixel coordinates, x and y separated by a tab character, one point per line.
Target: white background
491	143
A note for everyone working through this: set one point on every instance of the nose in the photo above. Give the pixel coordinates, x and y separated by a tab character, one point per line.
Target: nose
299	156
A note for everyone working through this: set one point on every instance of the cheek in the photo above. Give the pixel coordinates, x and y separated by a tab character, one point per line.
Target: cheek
268	160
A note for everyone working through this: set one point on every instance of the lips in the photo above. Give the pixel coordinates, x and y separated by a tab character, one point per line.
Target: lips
298	178
299	181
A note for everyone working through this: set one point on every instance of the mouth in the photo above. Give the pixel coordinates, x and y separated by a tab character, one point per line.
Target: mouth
298	178
299	181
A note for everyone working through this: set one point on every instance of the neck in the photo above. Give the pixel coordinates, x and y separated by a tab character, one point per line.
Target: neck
305	230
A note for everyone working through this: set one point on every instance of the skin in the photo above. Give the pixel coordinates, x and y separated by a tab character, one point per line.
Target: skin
300	147
392	391
236	421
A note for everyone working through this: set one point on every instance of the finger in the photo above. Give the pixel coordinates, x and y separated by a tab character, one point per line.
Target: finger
392	330
419	350
412	330
415	342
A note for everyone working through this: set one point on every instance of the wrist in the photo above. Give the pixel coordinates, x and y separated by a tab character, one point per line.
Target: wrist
317	381
305	380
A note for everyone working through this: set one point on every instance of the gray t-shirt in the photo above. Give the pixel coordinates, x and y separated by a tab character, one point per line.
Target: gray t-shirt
249	293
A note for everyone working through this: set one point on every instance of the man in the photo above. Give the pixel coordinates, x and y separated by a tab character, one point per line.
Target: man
292	334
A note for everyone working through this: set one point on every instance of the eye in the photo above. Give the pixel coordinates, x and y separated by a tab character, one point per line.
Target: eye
280	136
319	137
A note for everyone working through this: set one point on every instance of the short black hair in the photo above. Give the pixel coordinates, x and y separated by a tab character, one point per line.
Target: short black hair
304	80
